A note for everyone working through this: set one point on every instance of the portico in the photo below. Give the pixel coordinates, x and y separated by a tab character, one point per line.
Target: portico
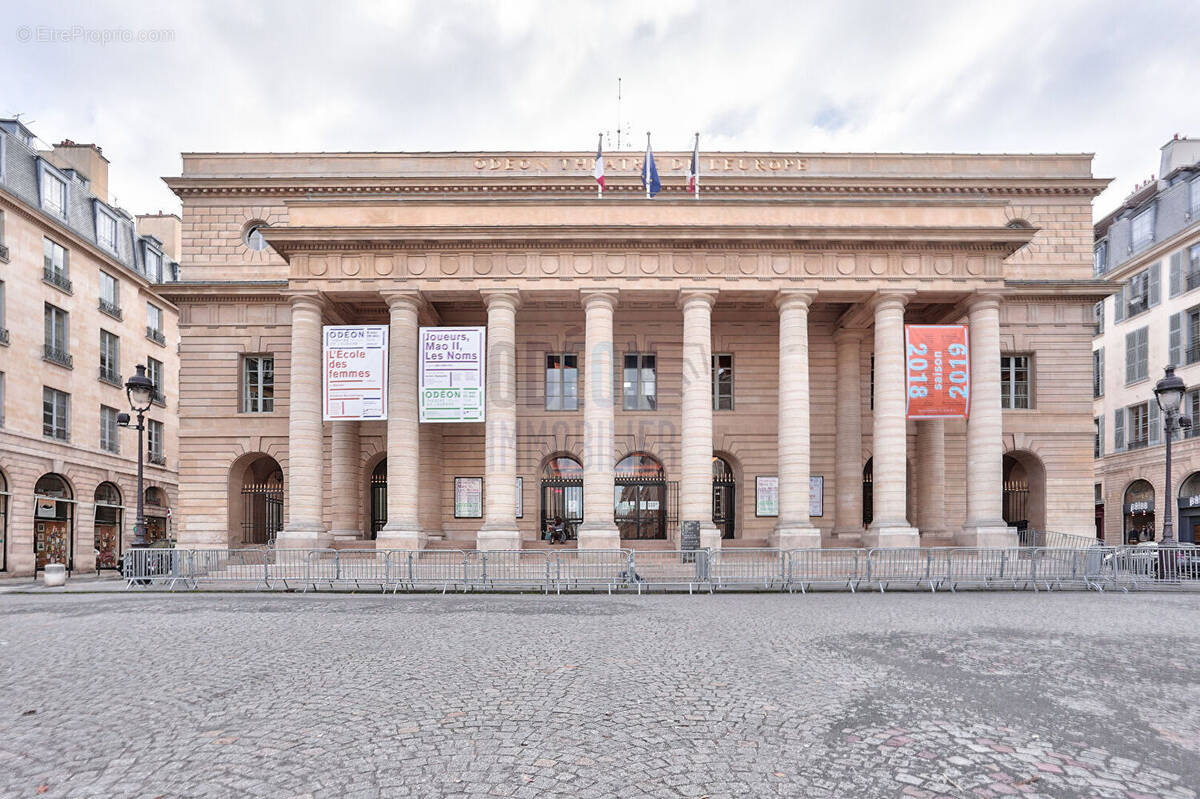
636	349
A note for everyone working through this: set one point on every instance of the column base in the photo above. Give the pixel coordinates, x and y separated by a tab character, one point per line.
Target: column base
400	537
987	534
599	536
891	537
490	538
847	536
299	536
795	537
710	537
344	536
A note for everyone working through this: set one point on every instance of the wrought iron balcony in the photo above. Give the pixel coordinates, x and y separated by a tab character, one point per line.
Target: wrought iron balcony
57	279
59	433
1191	281
111	377
112	310
159	398
1138	443
157	460
3	252
156	335
4	336
60	357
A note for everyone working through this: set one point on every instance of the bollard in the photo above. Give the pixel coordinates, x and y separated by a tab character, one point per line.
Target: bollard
54	575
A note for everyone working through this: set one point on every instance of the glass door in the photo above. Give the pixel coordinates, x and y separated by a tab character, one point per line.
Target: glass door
640	511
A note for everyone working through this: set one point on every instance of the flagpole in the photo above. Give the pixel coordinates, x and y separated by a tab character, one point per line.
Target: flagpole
600	157
696	158
646	166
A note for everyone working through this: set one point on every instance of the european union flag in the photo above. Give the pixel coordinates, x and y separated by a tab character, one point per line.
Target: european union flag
650	172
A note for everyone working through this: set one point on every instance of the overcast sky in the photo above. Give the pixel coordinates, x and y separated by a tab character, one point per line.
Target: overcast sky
1113	78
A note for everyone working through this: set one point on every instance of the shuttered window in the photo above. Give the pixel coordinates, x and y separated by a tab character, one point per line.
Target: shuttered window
1137	355
1098	373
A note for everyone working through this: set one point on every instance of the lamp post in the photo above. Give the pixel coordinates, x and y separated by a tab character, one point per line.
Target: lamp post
140	391
1169	393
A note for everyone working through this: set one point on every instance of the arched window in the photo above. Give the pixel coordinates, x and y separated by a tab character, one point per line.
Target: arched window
1138	512
154	496
378	498
562	495
562	467
52	524
107	525
641	466
724	508
256	495
641	497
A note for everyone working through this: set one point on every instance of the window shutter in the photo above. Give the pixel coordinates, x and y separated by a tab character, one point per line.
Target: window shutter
1177	273
1175	340
1155	289
1130	357
1100	434
1119	304
1118	429
1155	427
1101	376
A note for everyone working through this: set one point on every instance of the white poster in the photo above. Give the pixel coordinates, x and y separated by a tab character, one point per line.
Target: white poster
468	497
766	496
816	495
355	372
452	374
520	498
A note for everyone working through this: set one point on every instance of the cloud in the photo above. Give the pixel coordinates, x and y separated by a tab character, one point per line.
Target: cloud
1065	76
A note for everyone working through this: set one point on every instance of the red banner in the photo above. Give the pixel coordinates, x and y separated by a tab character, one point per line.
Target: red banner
937	371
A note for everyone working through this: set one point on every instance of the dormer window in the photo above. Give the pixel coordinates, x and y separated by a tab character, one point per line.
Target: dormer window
106	229
54	192
1100	258
154	264
1194	197
1142	229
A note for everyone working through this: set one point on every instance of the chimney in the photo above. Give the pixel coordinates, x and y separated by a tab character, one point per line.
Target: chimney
1179	152
87	160
167	228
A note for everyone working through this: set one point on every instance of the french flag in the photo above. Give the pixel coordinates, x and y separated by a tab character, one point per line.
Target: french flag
599	170
694	170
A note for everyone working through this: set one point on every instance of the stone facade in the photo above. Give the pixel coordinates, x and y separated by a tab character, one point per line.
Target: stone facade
90	520
803	268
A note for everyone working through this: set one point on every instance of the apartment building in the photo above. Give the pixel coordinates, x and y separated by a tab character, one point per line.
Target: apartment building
1149	247
80	305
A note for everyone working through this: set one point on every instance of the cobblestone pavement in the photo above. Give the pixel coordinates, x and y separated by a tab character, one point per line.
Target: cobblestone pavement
904	695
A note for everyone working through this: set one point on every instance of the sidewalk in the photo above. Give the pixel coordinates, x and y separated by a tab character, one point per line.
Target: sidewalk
79	583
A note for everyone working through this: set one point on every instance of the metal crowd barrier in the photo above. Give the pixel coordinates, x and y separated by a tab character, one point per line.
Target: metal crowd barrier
1096	568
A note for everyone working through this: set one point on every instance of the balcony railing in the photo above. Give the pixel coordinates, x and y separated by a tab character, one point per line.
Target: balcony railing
159	398
157	460
4	336
111	377
1136	306
1191	280
156	335
58	279
3	252
60	357
1137	443
111	309
59	433
1191	354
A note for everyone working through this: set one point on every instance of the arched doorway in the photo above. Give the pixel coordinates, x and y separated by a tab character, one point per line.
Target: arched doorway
378	498
3	522
256	500
155	508
1023	503
53	521
562	494
868	493
641	497
1189	509
1138	512
107	525
1016	495
724	497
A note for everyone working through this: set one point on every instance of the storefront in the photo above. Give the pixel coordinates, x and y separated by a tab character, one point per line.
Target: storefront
1189	509
108	526
1139	512
53	516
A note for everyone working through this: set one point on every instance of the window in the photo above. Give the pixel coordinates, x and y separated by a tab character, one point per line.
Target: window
56	406
1098	373
1098	444
154	323
3	327
110	295
54	193
1014	382
254	237
1194	197
722	381
1	399
640	385
154	442
56	342
258	384
562	381
1138	423
1100	258
1098	316
54	264
1137	355
108	429
154	371
110	358
154	262
1141	293
1141	230
106	229
3	249
1190	407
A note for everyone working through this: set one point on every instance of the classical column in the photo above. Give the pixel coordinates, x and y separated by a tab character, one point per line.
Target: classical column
985	525
403	528
598	530
305	470
931	478
794	530
696	484
848	466
499	529
889	518
347	496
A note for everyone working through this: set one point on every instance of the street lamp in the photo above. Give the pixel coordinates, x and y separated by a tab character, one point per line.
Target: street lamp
1169	393
140	391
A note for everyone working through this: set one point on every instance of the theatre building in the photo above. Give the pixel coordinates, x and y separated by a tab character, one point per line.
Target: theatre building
735	359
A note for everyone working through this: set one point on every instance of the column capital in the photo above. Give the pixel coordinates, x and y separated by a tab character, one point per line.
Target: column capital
689	296
849	334
983	299
308	298
890	298
792	297
603	296
509	297
409	298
